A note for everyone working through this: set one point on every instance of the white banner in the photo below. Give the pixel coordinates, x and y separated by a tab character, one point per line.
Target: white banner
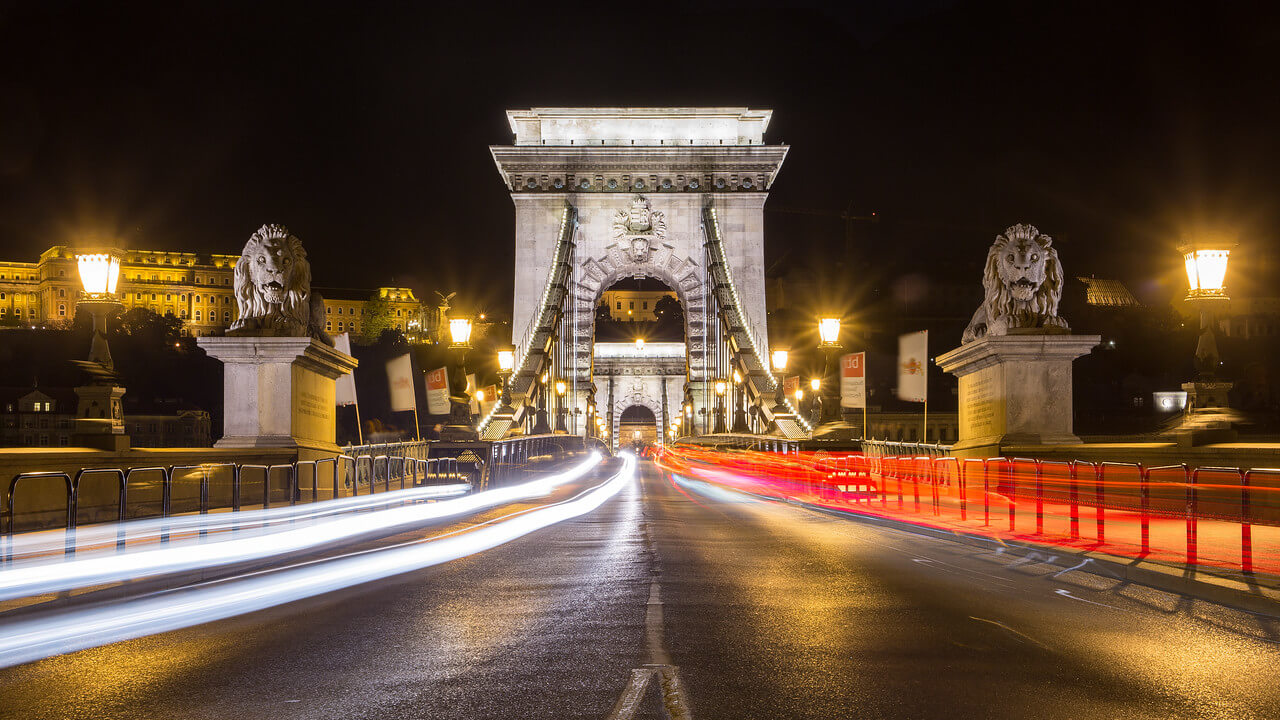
400	381
345	391
438	392
913	366
853	380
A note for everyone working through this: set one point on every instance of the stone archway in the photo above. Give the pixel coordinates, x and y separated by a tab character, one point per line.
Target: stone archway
662	262
639	394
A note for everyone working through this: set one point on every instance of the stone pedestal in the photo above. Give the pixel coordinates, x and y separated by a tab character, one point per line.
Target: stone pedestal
100	418
1015	390
279	392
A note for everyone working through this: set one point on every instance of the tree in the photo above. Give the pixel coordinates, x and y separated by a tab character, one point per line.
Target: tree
670	318
379	317
602	313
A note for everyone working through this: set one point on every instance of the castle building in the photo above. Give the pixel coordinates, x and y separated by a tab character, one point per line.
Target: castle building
196	288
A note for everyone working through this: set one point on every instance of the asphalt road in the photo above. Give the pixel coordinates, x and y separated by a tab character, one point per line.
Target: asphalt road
735	607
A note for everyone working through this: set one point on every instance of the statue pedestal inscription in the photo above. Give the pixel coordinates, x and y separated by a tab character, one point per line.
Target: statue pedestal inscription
1015	389
279	392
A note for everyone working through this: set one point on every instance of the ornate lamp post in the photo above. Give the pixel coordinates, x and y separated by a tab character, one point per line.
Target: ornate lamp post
460	424
506	366
540	424
99	412
1207	416
739	405
560	390
779	361
721	388
829	331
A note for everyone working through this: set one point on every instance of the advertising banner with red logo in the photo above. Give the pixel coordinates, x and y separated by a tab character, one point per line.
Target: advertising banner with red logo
913	366
438	392
790	386
853	380
400	381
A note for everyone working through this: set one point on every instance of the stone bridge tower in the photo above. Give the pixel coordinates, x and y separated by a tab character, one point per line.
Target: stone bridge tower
640	185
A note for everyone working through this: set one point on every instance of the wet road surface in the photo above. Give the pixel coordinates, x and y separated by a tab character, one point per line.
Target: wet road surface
734	606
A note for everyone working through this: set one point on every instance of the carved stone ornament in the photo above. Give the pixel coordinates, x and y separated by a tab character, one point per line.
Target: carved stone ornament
1023	282
273	288
637	227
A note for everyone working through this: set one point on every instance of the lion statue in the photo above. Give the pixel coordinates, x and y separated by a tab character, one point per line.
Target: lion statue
273	288
1023	283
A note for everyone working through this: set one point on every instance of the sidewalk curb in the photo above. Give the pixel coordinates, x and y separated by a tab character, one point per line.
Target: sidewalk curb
1196	583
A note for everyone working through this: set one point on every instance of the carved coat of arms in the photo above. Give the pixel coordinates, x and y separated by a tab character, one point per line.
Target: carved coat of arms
637	227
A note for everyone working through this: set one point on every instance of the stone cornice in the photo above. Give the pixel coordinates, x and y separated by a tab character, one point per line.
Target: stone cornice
696	168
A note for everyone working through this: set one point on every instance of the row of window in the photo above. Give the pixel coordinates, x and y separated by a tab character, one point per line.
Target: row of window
632	304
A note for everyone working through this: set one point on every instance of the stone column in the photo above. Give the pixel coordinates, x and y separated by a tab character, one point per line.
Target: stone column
1015	390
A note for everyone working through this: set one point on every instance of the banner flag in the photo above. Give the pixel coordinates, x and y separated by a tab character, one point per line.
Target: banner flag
483	400
853	380
438	392
345	391
790	386
400	379
913	366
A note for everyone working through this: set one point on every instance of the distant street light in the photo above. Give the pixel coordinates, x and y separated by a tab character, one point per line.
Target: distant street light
721	387
815	384
829	331
780	358
1207	417
739	405
560	390
639	345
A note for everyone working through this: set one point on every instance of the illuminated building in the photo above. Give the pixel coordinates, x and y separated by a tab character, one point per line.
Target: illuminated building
196	288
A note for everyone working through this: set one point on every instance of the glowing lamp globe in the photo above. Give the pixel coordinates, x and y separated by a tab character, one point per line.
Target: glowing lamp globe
829	330
560	387
460	330
815	384
799	394
99	273
780	360
639	344
737	378
507	360
721	386
1206	265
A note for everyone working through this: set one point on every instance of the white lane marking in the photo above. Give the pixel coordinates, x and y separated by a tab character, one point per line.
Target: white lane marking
1006	628
668	684
659	665
1067	594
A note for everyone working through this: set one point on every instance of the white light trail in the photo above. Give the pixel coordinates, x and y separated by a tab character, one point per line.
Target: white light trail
25	579
152	528
28	640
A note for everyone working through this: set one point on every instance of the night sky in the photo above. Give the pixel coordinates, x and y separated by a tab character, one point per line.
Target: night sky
365	127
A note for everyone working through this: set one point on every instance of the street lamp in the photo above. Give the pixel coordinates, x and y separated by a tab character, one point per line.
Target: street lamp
460	422
99	411
639	345
560	390
506	366
779	359
739	405
1206	419
721	387
829	331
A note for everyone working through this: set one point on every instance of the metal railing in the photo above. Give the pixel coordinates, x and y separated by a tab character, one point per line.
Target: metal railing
51	500
898	447
1197	516
511	457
